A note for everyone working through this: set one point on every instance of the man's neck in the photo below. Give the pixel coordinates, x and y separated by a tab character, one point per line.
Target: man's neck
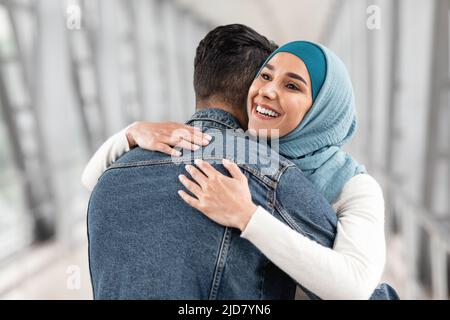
241	117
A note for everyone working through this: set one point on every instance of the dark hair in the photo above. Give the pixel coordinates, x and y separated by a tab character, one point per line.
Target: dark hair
226	63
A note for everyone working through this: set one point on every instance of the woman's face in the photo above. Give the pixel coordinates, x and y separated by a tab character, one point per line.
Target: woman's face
280	96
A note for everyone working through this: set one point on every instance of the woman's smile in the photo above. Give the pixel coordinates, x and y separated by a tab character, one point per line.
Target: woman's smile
266	112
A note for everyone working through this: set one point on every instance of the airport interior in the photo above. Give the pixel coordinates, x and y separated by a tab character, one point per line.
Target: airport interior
73	73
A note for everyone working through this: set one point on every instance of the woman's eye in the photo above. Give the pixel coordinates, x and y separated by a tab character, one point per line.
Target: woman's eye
265	76
292	87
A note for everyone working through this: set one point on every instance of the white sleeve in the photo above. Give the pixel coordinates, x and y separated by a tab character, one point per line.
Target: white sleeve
353	268
109	152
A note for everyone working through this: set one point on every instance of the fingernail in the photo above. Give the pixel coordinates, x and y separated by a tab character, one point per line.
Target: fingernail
197	161
180	176
188	168
208	137
196	147
177	153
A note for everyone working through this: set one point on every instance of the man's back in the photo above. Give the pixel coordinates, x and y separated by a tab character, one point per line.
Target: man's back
145	242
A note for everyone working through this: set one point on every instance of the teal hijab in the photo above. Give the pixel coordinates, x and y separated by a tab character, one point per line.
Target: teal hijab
315	145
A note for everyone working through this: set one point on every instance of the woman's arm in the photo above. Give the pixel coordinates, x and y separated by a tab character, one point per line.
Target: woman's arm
162	137
109	152
351	270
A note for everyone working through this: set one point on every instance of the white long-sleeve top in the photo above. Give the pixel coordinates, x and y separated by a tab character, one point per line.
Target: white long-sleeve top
351	270
109	152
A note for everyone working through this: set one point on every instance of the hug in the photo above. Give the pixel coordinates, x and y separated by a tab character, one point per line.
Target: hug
166	222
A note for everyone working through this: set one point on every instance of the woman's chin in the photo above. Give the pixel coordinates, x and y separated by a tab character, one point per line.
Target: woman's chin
262	131
261	125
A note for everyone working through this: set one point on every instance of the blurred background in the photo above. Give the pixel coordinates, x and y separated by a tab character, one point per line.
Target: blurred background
74	72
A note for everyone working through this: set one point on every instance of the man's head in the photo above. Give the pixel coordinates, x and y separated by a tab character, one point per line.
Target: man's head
226	63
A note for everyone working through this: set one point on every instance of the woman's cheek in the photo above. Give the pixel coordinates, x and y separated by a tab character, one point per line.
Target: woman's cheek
294	114
252	91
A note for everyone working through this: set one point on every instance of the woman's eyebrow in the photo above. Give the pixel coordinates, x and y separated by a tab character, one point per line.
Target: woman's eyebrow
296	76
289	74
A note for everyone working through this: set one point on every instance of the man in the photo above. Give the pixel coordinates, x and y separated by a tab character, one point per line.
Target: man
146	243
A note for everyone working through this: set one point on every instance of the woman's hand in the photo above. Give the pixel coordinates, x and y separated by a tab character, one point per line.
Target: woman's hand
224	200
164	136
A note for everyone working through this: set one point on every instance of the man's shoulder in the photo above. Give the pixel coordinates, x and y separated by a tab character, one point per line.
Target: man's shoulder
140	156
258	156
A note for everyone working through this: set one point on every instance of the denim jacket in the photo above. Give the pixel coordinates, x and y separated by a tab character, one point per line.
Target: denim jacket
145	242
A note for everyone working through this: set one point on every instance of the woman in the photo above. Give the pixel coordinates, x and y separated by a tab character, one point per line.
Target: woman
303	90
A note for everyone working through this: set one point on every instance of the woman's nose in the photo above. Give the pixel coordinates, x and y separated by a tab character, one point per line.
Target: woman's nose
268	91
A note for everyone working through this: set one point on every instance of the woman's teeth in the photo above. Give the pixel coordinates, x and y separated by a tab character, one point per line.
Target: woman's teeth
267	112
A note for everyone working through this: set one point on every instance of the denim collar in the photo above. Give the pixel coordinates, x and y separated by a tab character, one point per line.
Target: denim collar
219	116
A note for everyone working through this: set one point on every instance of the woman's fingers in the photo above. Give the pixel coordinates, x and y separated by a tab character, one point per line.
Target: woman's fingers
197	175
177	141
190	186
164	148
198	137
193	135
233	169
189	200
207	169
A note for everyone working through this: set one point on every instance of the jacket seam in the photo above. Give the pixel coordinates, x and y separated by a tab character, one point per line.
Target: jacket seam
220	263
282	170
291	222
263	278
283	213
264	179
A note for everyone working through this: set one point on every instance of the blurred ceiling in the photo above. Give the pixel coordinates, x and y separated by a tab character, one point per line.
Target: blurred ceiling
280	20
